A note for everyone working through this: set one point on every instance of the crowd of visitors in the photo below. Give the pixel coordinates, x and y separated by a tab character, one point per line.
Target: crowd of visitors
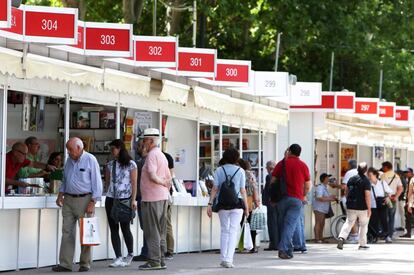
370	198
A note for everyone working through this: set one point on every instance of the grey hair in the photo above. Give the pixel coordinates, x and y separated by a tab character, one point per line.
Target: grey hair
271	163
77	141
352	163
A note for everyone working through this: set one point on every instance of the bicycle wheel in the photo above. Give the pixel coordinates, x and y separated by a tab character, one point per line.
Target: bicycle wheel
336	226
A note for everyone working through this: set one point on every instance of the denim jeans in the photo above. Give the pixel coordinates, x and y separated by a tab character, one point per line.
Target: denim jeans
289	212
299	241
272	227
391	220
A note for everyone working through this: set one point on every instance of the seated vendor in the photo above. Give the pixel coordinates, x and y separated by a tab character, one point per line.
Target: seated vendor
33	147
55	159
16	159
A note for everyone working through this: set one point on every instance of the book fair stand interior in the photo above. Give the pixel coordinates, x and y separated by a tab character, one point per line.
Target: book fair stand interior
60	77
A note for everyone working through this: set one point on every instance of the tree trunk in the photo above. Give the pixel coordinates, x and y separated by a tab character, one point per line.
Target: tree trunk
132	10
79	4
174	17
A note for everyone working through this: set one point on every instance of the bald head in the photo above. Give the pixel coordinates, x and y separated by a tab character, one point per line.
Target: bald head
74	147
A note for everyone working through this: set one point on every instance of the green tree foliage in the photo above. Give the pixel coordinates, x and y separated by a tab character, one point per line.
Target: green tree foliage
366	36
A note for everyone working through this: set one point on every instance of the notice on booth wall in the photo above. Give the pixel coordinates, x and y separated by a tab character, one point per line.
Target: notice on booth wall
179	156
142	121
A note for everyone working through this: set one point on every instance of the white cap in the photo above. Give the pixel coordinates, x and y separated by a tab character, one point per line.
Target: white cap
151	132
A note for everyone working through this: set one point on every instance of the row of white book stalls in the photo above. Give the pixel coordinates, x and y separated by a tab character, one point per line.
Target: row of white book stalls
53	100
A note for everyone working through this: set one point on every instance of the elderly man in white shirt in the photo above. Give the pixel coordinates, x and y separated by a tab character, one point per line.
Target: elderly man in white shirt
394	182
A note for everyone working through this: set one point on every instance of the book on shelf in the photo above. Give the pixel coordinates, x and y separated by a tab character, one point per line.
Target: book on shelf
107	120
82	120
94	119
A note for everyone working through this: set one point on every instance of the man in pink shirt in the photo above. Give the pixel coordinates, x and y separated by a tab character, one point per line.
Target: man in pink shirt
155	185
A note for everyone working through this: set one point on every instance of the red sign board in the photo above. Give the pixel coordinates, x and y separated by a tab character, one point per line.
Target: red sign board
232	72
196	62
327	105
345	102
402	113
50	25
16	26
366	106
5	13
43	24
386	110
81	35
156	51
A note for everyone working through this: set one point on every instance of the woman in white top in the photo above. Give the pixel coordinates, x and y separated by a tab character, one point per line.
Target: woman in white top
380	190
121	183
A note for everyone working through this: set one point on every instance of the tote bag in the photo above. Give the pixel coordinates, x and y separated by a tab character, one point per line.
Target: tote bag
89	231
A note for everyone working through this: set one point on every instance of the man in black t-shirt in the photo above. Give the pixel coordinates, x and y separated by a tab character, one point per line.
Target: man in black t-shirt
170	236
358	203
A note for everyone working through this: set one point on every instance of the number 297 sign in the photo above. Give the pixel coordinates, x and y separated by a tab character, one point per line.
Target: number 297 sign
367	106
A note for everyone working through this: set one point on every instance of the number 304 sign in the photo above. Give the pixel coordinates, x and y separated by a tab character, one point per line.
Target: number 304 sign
43	25
50	25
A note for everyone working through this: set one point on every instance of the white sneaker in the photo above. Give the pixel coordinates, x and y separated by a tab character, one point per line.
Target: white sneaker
118	262
226	264
128	259
388	240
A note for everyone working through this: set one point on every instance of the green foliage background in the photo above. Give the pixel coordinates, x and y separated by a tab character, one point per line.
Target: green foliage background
366	36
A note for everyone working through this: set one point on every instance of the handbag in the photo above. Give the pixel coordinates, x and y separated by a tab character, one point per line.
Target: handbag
258	219
278	189
330	213
121	209
245	240
89	231
387	200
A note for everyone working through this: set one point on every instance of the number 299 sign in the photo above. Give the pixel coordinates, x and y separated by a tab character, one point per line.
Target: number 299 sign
5	13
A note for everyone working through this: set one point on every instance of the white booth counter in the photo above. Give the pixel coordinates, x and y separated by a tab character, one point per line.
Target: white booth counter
31	231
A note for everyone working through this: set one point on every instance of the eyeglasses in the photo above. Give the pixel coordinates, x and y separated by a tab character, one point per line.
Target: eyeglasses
23	153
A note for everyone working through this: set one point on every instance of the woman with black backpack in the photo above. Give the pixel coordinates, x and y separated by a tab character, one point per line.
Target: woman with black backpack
121	185
228	198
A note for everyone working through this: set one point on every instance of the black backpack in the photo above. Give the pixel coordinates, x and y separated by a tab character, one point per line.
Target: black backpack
278	189
228	198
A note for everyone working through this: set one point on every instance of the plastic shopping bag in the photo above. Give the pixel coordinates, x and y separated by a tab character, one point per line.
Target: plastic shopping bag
245	240
89	231
258	221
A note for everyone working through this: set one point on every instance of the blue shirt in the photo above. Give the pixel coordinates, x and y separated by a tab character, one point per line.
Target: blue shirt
82	176
239	179
321	192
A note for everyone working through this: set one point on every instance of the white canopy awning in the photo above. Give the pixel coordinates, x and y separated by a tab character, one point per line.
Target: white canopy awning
44	67
127	83
11	62
174	92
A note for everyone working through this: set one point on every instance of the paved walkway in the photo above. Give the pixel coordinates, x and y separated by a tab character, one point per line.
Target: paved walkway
396	258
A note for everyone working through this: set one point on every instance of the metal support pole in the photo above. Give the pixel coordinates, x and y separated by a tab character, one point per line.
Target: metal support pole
380	85
277	50
194	23
332	67
154	19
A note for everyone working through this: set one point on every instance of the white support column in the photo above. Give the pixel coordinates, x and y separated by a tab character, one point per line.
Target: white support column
3	141
67	121
328	165
198	152
357	153
260	164
118	121
220	141
241	141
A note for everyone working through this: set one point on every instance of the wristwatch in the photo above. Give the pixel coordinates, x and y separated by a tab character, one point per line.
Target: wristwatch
210	203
